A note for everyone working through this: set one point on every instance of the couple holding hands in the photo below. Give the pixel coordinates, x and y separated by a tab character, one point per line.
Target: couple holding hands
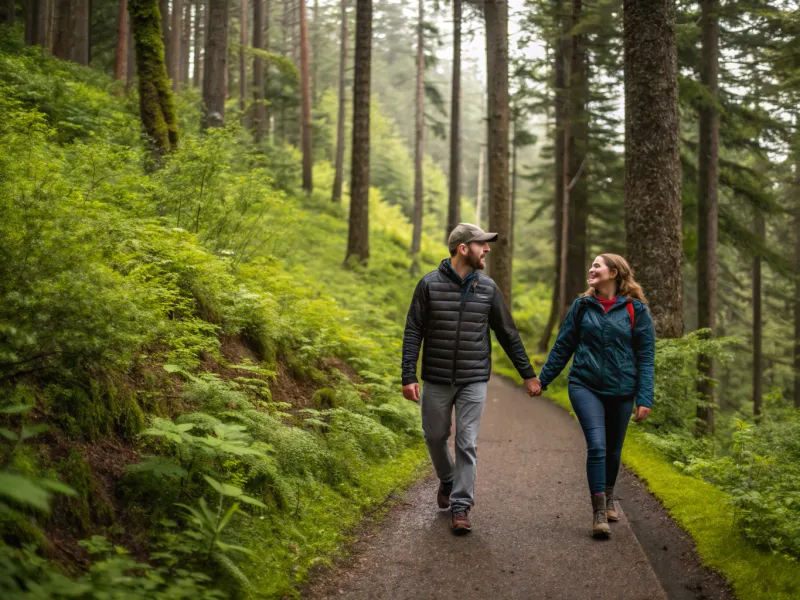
608	331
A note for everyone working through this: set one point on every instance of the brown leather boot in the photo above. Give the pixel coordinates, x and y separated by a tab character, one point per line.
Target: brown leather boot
443	495
600	527
611	505
461	522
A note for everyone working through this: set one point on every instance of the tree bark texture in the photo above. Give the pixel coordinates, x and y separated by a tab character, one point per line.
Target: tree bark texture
80	48
131	53
305	105
758	323
576	161
454	203
652	162
186	42
797	288
163	6
419	131
358	231
243	57
479	191
121	56
175	34
10	12
707	202
338	174
216	64
560	83
155	96
199	44
496	17
315	91
33	21
259	115
268	107
64	34
44	25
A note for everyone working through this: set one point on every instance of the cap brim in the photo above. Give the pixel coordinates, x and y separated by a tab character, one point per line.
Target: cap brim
486	237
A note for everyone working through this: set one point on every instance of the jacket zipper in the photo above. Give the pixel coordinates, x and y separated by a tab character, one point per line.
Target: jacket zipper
458	329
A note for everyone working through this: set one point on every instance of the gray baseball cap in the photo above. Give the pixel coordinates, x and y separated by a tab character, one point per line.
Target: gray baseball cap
464	233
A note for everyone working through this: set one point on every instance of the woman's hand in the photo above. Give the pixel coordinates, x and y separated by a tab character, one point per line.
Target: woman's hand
641	413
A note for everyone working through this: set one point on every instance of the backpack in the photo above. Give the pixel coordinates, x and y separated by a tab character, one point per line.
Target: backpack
582	310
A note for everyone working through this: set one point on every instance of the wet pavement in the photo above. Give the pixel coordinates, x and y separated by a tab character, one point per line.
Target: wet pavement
531	525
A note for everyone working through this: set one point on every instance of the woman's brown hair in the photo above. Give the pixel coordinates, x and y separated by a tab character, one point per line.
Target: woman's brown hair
626	284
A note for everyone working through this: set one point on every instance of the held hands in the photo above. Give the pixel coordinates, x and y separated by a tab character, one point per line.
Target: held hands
533	386
641	413
411	392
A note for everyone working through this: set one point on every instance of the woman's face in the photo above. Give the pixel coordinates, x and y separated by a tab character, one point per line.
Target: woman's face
600	274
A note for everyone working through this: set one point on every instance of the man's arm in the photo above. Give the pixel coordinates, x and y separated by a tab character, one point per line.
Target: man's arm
414	332
502	323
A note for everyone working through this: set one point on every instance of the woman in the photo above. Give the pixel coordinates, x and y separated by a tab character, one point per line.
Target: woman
611	334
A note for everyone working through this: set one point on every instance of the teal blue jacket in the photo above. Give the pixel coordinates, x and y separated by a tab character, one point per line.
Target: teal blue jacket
611	358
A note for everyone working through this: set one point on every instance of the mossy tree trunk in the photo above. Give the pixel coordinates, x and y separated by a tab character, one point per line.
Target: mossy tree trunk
499	197
358	231
216	64
155	96
652	160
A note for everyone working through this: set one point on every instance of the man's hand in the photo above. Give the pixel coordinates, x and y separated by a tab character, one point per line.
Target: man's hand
533	386
411	392
641	413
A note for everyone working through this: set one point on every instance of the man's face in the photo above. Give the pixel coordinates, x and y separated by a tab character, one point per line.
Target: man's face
476	255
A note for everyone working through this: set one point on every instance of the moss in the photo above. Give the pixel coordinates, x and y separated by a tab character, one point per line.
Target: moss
104	409
326	398
90	505
17	528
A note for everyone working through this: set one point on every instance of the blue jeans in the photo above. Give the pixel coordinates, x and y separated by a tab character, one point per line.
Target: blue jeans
437	406
604	420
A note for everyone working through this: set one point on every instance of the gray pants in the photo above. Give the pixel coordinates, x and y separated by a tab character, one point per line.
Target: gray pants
437	405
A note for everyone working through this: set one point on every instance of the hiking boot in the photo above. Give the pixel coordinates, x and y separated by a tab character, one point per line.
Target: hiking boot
461	522
443	495
611	505
600	527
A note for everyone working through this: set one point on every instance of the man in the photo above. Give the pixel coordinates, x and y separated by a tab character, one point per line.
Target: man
452	311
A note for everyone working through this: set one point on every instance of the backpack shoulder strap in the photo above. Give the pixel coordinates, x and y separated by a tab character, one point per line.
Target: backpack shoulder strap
630	313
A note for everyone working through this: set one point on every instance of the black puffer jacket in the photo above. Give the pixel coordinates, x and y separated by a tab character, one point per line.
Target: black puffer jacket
454	321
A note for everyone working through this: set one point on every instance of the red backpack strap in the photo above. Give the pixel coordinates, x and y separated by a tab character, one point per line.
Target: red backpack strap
630	313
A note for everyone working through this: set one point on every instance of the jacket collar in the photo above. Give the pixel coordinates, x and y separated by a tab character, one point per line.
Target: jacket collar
621	301
448	270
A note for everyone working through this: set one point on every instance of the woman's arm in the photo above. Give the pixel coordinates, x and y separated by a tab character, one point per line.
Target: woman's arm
563	349
644	345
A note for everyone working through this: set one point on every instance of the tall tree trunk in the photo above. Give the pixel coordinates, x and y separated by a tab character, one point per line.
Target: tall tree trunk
243	58
33	21
199	43
796	348
43	28
416	236
216	64
707	206
130	73
305	116
338	175
163	6
479	191
10	12
186	42
64	34
315	91
155	97
652	160
561	25
80	49
576	163
454	203
259	113
268	107
496	17
358	231
757	318
121	56
175	34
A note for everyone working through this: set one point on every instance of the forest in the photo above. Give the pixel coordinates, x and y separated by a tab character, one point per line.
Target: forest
213	214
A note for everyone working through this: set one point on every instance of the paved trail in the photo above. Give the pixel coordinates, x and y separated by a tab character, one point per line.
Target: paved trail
531	525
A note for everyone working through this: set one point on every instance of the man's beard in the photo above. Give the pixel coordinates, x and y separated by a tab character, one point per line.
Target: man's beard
474	261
